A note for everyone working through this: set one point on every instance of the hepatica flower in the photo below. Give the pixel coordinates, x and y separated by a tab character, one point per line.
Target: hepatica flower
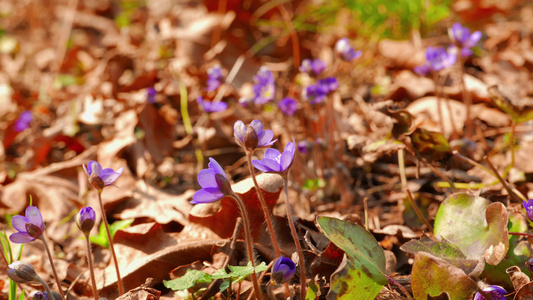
264	88
288	106
208	106
464	39
29	227
283	270
214	182
437	59
316	93
253	136
214	79
150	95
274	161
528	205
23	122
98	177
85	219
316	66
496	292
345	50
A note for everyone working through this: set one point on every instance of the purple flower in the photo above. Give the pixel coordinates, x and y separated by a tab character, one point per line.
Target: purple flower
264	88
214	79
283	270
316	66
274	161
345	50
29	227
303	146
253	136
314	93
496	292
461	35
211	106
528	205
150	95
288	106
23	122
214	182
85	219
437	59
529	265
40	296
99	177
329	84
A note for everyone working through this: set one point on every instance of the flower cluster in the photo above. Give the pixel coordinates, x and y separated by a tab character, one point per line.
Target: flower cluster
214	79
264	88
345	50
316	66
23	122
462	37
209	106
316	93
437	59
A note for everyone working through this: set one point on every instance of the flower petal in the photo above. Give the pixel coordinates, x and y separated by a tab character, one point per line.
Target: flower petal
239	130
271	165
265	138
34	216
21	238
206	178
258	165
109	176
257	126
272	153
206	196
19	223
215	166
94	167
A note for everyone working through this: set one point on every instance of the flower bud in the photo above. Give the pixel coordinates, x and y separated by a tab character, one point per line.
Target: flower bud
33	230
223	184
22	272
283	270
250	138
96	182
85	219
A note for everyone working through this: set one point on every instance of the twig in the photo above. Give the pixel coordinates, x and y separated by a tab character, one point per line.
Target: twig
417	211
503	182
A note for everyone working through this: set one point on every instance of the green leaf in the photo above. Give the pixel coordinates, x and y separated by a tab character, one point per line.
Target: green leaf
363	275
312	291
101	238
434	277
188	280
476	226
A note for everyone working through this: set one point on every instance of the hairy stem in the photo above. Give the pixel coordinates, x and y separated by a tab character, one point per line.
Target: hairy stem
249	242
295	237
47	288
111	246
43	239
91	266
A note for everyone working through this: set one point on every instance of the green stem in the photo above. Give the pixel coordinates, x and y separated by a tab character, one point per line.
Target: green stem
111	246
249	242
91	266
43	239
295	237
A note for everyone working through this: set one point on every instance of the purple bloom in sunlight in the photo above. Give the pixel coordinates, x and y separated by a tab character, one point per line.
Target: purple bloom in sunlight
316	66
496	292
329	84
211	106
274	161
264	88
214	79
85	219
29	227
528	205
99	177
288	106
422	70
461	35
254	138
23	122
345	50
314	93
214	182
303	146
437	59
283	270
150	95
